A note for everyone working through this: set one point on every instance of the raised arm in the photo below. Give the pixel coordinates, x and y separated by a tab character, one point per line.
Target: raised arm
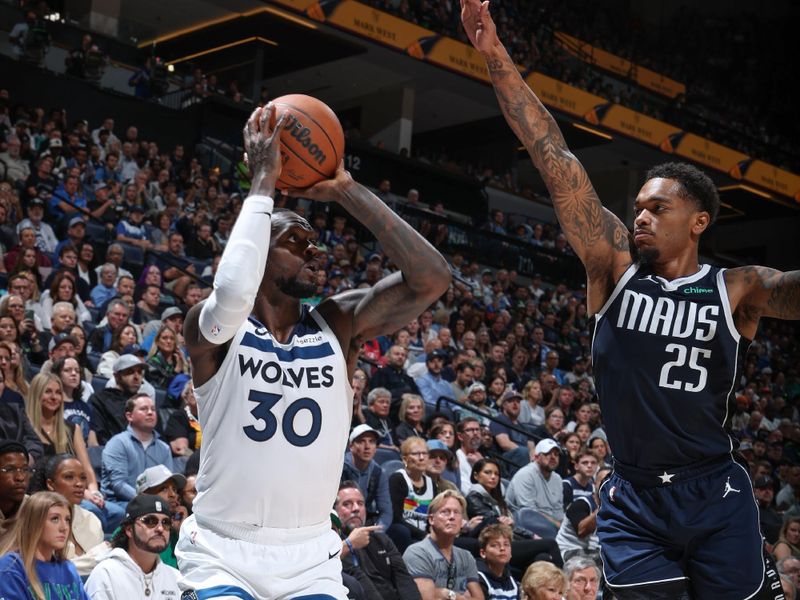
396	299
598	237
757	292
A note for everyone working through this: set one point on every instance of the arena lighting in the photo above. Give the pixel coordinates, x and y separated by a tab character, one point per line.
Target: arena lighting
745	187
218	20
292	18
171	68
594	131
54	17
222	47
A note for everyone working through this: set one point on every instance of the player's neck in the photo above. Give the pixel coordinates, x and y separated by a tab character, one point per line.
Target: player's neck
279	313
680	266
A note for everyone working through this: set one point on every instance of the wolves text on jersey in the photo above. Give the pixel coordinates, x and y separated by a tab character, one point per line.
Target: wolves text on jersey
292	377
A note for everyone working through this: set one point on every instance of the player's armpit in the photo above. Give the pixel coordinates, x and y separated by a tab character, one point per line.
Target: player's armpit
757	292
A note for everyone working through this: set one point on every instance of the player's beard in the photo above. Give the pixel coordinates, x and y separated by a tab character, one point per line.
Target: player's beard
297	289
646	256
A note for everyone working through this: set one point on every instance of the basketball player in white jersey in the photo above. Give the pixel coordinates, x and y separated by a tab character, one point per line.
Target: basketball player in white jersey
272	385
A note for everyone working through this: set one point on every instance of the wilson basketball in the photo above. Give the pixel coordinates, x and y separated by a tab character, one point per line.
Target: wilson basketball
312	141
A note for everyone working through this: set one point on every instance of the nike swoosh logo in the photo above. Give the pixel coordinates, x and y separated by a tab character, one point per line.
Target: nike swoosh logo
330	556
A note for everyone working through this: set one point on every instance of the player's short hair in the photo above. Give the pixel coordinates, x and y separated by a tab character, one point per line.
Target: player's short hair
493	532
696	185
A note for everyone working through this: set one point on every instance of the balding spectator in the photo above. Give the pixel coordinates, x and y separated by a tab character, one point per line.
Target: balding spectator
115	254
16	168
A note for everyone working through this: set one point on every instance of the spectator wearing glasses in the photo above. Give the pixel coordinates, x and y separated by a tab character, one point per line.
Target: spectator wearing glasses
15	475
412	490
133	569
468	453
440	569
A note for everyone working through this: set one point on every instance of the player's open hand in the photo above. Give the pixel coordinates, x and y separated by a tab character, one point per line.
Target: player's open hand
327	190
478	24
262	142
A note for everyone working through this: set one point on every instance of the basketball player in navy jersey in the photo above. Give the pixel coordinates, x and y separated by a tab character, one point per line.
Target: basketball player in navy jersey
272	384
677	517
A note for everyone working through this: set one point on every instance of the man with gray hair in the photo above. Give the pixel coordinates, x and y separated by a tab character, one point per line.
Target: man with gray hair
115	254
789	570
105	290
583	578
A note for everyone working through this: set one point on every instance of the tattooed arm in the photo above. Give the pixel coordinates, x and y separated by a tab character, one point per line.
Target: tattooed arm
598	237
757	292
396	299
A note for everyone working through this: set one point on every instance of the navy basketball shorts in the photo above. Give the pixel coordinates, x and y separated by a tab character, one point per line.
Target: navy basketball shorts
695	530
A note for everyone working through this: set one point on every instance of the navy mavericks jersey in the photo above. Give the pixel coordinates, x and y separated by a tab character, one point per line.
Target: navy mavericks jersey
666	355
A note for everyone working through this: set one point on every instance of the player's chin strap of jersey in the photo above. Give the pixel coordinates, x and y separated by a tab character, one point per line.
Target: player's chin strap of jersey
239	273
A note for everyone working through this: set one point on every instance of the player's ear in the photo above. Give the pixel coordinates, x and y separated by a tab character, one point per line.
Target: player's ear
701	222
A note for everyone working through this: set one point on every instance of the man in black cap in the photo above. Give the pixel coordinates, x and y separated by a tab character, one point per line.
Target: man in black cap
46	239
15	474
133	568
768	518
431	384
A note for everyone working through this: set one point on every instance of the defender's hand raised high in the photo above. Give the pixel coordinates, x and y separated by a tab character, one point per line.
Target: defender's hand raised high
478	24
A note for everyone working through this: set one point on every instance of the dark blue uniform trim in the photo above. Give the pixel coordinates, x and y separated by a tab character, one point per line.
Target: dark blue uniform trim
220	591
251	340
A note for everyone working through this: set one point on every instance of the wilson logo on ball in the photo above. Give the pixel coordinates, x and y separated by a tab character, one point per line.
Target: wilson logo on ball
302	134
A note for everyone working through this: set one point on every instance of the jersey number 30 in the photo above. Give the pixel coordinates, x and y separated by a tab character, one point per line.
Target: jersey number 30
263	412
694	355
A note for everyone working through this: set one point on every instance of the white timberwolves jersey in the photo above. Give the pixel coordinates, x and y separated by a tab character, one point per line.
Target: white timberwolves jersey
275	419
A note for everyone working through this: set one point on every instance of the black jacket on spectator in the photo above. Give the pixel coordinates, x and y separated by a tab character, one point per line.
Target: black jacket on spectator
97	341
14	425
381	570
108	418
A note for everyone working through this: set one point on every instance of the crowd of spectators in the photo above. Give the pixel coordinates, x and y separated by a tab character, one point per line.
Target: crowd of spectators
732	97
476	427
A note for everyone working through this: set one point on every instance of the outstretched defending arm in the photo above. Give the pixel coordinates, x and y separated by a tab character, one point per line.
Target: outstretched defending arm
214	322
598	237
424	274
757	292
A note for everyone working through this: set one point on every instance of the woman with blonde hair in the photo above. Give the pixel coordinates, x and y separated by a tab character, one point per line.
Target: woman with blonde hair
44	405
165	359
411	415
544	581
411	491
788	544
12	370
34	565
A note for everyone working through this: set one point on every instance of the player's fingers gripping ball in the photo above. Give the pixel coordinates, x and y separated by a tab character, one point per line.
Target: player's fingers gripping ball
312	141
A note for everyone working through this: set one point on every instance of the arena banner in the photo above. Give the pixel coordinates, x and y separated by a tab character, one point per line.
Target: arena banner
772	178
621	66
298	5
709	153
638	126
564	97
457	56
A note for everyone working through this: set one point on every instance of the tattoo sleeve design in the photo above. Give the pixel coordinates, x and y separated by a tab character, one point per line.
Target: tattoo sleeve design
584	220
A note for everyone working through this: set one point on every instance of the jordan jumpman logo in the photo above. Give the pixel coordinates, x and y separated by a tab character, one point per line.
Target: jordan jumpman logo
729	489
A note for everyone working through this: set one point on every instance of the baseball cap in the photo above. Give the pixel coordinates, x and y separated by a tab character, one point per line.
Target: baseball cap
335	273
765	481
546	446
508	395
133	349
145	504
436	354
77	221
438	446
156	475
9	446
127	361
476	387
362	429
35	202
486	272
61	338
744	446
172	311
55	143
100	185
374	256
136	208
